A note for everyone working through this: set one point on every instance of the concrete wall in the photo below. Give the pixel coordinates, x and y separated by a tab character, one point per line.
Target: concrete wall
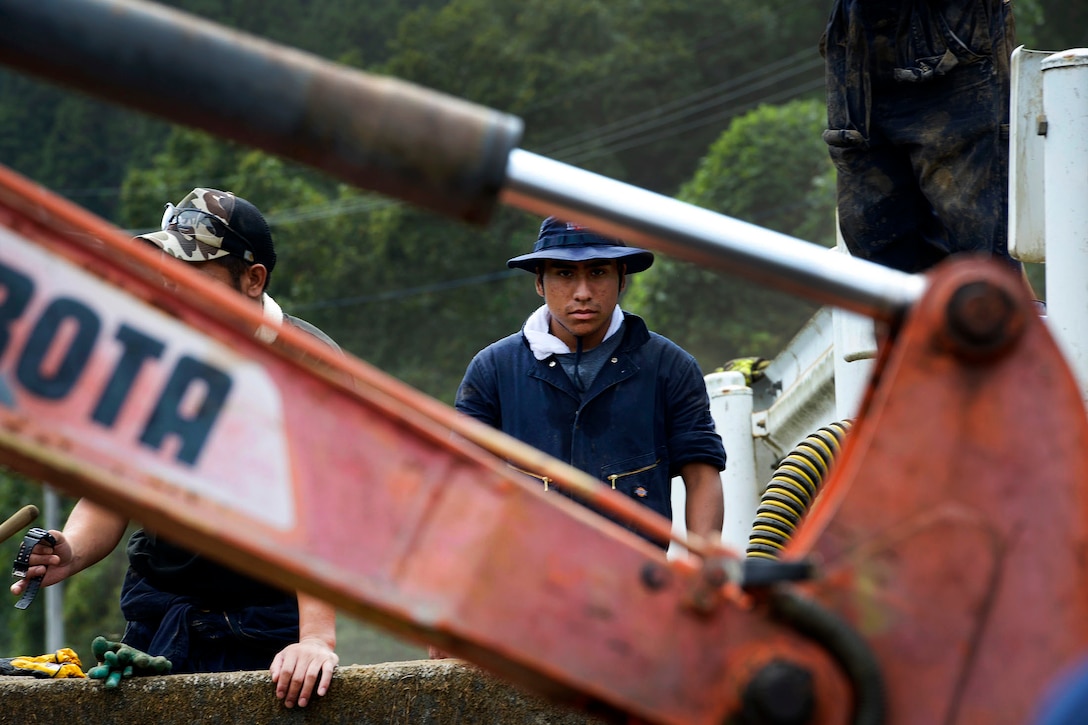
437	692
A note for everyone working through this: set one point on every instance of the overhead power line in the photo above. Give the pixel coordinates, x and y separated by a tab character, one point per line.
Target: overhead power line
643	128
407	291
717	40
680	107
340	207
669	119
630	132
675	129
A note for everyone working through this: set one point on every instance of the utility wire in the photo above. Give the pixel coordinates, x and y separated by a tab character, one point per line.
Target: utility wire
676	129
716	37
585	146
718	34
614	136
407	292
585	143
688	104
340	207
624	134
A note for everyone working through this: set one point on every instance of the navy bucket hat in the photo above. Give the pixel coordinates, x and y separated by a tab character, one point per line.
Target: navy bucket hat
569	242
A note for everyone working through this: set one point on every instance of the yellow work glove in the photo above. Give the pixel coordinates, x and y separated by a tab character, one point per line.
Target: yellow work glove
62	663
751	367
117	661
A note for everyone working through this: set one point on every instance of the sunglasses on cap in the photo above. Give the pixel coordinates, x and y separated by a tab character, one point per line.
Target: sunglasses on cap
205	227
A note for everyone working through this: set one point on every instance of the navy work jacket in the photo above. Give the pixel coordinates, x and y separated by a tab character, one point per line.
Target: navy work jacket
645	416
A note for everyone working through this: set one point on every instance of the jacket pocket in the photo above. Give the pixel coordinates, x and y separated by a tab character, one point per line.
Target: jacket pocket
638	477
547	481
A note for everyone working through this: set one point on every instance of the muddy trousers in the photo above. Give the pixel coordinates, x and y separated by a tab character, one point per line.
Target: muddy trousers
932	178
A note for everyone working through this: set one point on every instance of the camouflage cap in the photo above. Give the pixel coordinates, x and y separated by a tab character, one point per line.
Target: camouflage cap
208	224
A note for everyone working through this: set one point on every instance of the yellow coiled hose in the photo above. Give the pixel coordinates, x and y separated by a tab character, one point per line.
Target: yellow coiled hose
792	489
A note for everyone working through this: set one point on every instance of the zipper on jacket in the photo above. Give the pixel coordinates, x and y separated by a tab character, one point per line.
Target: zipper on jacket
615	476
543	479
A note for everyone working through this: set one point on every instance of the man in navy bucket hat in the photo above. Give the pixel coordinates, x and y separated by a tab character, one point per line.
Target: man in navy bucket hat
589	384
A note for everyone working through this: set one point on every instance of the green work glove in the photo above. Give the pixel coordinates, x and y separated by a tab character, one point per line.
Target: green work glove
751	367
117	661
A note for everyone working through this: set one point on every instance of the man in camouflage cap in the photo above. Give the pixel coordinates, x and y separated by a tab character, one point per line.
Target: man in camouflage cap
227	238
202	616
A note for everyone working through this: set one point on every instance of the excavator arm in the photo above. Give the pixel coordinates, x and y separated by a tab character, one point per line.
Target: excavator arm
319	472
937	578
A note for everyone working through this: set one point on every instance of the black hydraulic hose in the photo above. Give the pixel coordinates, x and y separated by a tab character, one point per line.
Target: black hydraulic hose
788	496
792	489
845	645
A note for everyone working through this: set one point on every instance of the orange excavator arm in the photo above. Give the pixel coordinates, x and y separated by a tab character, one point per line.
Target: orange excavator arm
319	472
936	580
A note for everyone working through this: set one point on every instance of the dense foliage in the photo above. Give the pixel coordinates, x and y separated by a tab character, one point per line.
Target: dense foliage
769	167
718	102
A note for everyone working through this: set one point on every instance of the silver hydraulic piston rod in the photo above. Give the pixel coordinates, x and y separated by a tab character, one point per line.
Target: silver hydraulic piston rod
681	230
385	135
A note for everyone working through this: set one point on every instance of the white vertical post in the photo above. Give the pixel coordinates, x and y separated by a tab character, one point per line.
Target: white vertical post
54	595
1065	103
731	406
855	356
854	349
1027	151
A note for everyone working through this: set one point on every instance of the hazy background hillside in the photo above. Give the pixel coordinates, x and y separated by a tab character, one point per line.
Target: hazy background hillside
716	102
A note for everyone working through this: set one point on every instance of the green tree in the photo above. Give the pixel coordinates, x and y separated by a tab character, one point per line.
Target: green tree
90	600
21	631
1050	24
634	90
82	148
413	294
769	167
